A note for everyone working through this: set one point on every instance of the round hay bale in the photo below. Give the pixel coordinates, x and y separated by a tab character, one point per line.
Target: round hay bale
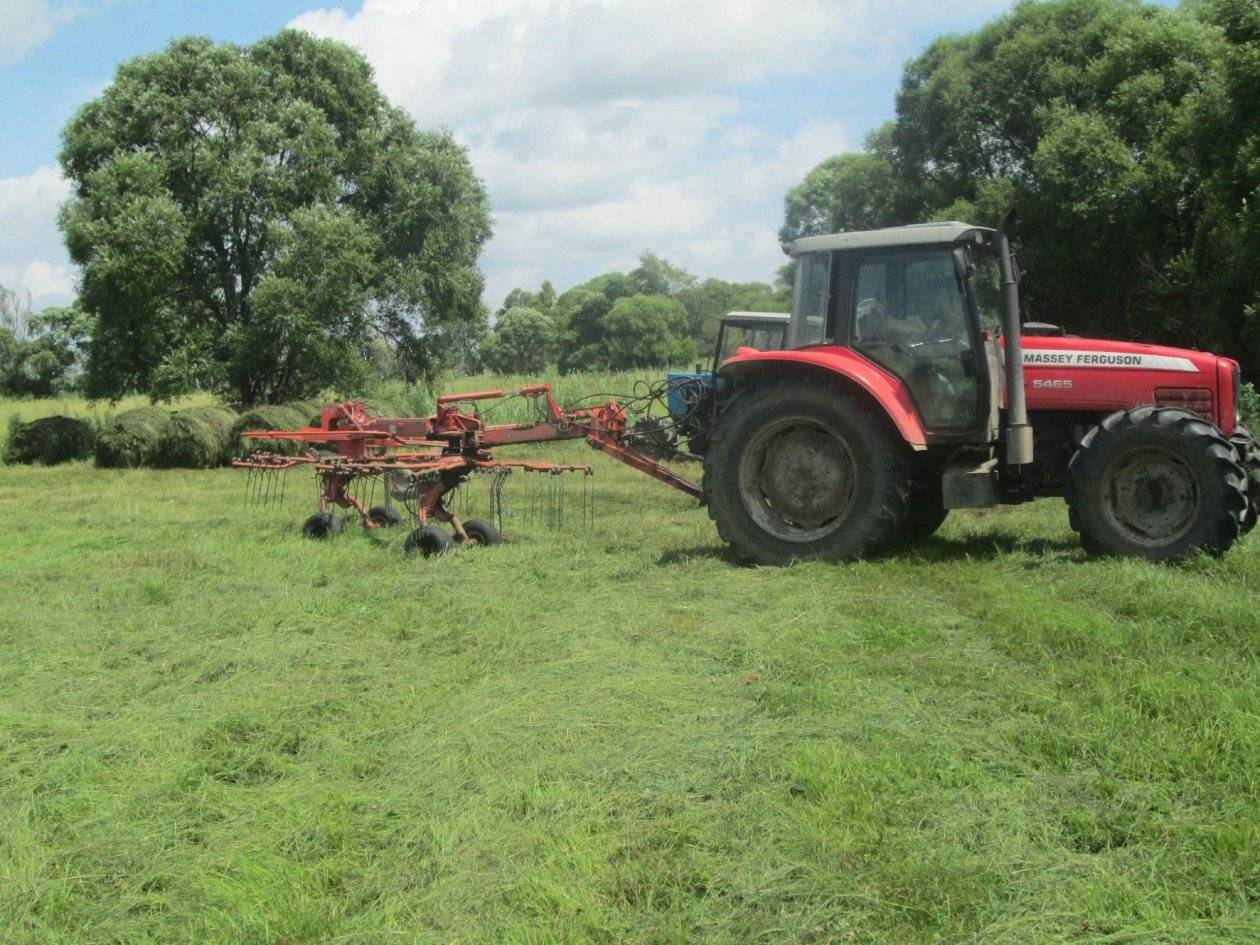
50	440
310	409
197	438
268	418
131	439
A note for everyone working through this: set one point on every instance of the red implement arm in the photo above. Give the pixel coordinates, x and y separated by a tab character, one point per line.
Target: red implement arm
461	440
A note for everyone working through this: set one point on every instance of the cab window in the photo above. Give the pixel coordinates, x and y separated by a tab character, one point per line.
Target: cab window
809	303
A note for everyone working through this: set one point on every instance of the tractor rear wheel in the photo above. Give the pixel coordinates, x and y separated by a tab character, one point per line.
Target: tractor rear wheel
429	540
925	513
799	470
1156	483
481	533
1248	453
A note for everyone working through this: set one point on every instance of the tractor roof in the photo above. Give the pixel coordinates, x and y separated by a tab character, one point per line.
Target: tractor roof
917	234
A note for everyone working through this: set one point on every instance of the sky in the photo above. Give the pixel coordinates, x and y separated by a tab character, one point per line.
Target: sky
602	128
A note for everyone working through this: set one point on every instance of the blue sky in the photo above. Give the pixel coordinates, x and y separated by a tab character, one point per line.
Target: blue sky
601	128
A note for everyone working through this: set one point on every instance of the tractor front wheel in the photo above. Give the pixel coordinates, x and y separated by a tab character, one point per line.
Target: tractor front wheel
1156	483
1249	459
800	470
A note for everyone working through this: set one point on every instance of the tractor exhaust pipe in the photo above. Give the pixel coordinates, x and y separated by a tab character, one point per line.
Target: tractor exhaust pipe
1019	438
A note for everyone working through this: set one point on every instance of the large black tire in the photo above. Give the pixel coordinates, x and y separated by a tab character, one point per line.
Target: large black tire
925	513
1156	483
385	516
321	525
800	470
429	541
482	533
1248	454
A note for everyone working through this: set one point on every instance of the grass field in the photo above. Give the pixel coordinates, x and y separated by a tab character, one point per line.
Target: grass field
213	731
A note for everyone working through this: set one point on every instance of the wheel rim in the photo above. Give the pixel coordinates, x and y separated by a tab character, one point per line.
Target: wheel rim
797	478
1151	496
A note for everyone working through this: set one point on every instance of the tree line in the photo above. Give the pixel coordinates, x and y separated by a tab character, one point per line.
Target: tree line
258	221
653	316
1127	135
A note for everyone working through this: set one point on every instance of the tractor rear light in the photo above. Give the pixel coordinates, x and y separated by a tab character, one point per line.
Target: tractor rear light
1194	399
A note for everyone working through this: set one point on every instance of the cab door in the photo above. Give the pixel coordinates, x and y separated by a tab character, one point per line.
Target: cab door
910	313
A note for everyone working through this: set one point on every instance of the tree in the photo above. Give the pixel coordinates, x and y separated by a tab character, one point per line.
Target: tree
544	300
657	276
15	312
250	219
647	331
522	342
844	192
581	312
39	353
1122	131
707	302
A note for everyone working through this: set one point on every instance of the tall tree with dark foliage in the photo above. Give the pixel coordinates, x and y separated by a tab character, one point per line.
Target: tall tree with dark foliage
251	219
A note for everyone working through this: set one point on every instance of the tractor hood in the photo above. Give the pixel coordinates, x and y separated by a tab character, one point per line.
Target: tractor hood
1066	373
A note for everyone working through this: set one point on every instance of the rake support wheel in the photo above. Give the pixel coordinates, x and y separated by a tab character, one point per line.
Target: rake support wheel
1156	483
482	533
428	540
321	525
385	516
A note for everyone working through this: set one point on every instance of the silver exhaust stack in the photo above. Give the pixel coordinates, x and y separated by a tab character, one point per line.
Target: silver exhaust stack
1019	436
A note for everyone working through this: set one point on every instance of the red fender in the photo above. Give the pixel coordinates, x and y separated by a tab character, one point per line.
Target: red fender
886	389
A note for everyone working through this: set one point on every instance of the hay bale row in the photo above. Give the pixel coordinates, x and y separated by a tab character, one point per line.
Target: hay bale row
197	438
131	439
280	417
49	440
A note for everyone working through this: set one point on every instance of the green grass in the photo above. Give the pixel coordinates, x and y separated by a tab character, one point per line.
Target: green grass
213	731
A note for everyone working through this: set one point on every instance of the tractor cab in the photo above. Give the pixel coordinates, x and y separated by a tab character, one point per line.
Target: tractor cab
922	304
762	331
692	393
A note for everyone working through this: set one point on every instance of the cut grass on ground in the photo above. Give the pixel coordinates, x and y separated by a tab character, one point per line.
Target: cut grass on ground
214	731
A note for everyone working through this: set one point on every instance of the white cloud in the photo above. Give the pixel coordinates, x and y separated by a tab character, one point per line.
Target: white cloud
28	24
606	127
32	256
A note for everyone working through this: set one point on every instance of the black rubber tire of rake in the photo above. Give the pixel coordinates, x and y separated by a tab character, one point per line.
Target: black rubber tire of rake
482	533
429	540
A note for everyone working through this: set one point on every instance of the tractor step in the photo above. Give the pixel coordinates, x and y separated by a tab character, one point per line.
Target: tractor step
967	486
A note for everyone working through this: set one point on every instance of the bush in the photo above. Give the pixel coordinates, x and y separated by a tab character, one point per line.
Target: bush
523	341
197	438
131	439
278	417
1250	406
49	440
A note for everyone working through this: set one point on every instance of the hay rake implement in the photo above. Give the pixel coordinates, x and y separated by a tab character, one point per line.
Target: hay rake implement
418	462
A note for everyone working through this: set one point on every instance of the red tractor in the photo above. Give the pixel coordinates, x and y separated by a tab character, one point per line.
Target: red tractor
908	387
